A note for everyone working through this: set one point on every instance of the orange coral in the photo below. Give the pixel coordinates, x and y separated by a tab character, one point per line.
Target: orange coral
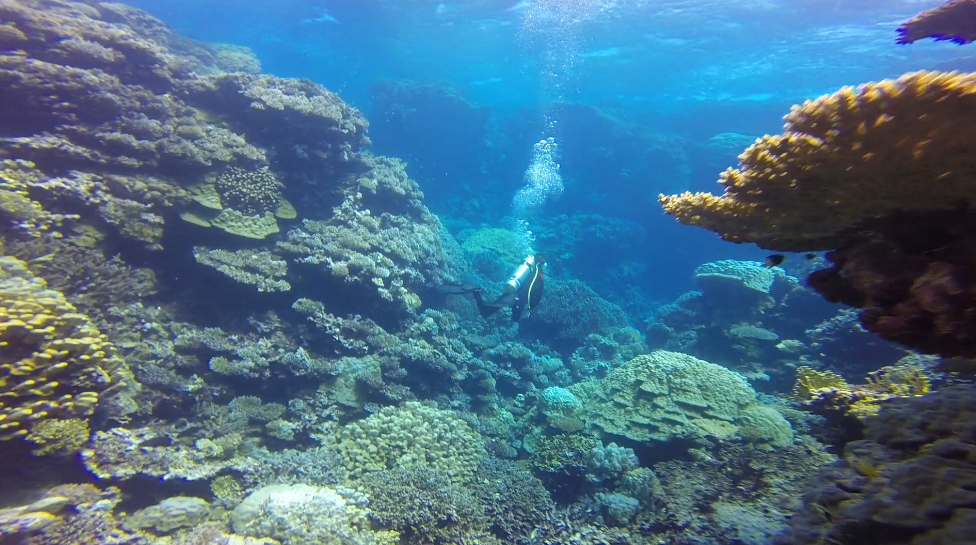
845	159
953	21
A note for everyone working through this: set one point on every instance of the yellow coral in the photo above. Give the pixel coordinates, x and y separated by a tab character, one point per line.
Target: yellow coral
858	154
59	436
53	362
809	381
16	204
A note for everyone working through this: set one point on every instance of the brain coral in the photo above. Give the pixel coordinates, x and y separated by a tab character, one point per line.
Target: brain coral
412	435
53	362
666	395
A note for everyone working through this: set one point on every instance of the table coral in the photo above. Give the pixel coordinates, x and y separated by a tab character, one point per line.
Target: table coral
880	174
953	21
259	268
858	154
668	395
56	364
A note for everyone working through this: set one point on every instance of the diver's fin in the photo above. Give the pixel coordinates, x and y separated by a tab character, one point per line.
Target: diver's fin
458	289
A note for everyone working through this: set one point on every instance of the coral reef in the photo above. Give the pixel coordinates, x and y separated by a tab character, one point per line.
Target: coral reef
858	172
909	481
953	21
56	364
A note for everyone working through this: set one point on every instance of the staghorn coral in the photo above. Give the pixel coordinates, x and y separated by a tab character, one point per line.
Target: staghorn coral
515	501
669	395
259	268
953	21
408	436
56	364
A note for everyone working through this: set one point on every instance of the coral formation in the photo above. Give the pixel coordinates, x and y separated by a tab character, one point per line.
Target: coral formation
168	515
423	505
412	435
669	395
909	481
56	364
259	268
858	172
844	159
305	515
953	21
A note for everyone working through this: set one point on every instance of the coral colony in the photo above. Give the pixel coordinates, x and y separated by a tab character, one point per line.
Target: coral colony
220	322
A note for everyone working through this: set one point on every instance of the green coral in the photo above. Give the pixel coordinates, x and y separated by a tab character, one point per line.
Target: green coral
667	395
59	436
259	268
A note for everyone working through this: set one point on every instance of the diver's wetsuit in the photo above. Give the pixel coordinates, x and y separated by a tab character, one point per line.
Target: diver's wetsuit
529	292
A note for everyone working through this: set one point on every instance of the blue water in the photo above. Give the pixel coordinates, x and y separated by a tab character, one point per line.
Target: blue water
635	90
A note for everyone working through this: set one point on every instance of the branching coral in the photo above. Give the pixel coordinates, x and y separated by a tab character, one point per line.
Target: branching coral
826	391
954	21
55	364
423	505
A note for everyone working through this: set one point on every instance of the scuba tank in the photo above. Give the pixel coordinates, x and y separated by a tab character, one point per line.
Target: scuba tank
521	273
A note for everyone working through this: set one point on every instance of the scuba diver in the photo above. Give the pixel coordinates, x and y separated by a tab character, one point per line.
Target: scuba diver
523	290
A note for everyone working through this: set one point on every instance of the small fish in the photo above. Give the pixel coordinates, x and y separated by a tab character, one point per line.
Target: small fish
774	260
